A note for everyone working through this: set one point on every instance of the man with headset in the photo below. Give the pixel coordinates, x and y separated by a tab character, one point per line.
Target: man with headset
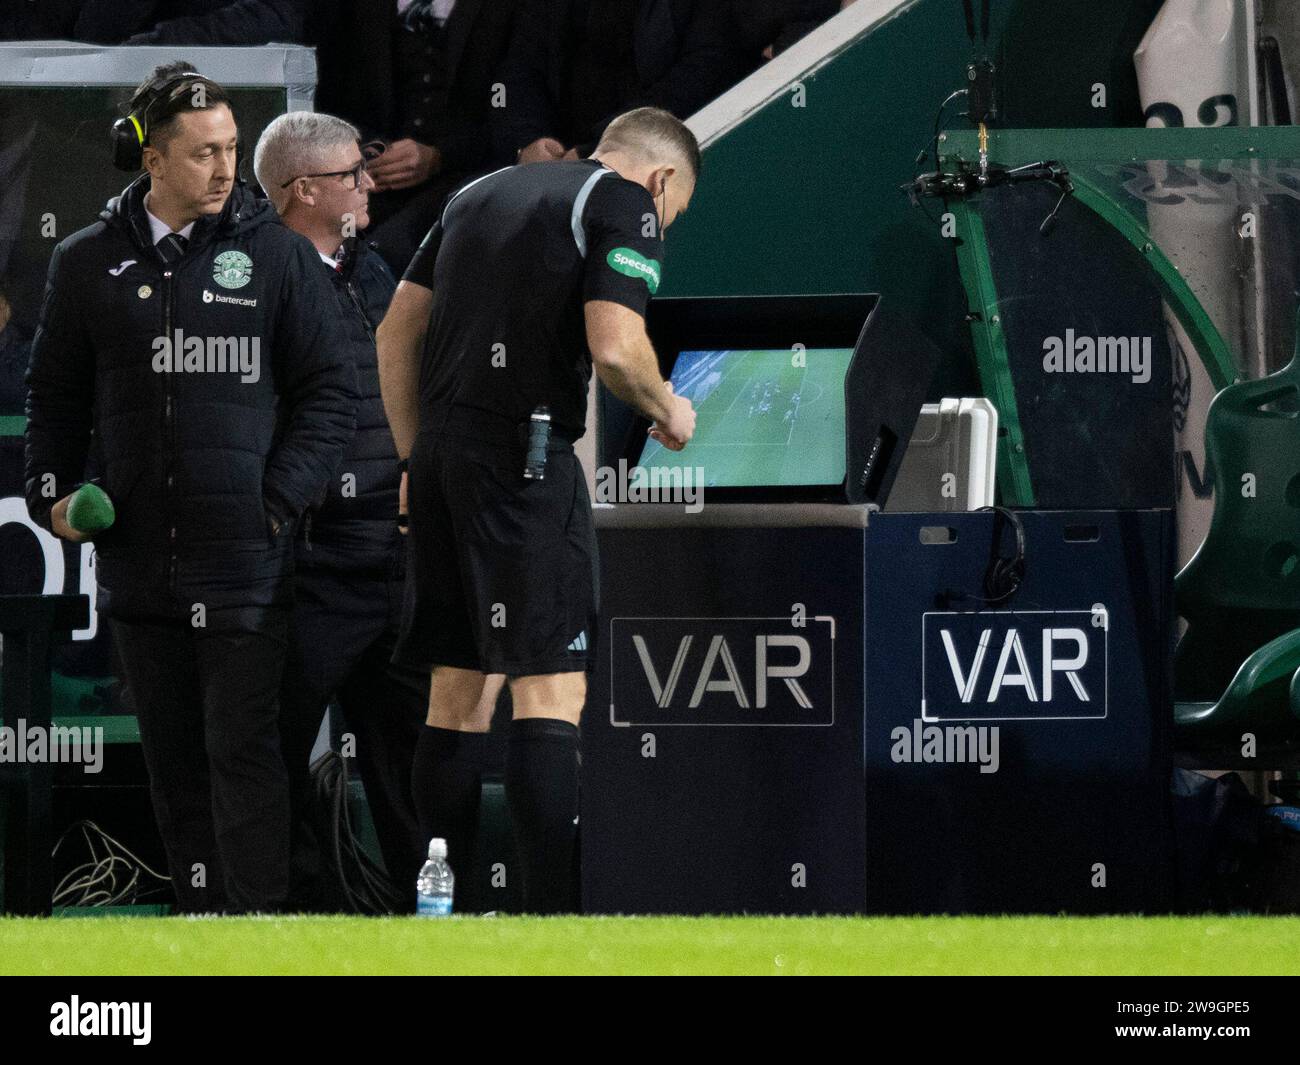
184	330
530	276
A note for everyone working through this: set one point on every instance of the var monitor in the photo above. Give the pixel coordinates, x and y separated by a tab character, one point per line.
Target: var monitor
764	417
797	398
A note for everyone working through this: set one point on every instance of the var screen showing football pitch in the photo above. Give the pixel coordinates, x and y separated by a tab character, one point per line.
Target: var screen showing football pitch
763	418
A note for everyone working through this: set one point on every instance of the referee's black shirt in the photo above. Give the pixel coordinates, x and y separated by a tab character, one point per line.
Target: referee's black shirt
511	262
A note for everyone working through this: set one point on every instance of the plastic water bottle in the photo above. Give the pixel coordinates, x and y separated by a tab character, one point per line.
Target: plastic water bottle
434	887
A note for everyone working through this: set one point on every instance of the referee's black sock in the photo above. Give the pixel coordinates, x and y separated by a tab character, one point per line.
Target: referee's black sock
542	793
446	781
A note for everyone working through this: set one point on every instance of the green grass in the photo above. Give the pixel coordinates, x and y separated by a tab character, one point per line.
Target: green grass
775	945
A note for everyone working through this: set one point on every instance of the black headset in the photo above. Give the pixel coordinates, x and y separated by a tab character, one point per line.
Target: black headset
1002	578
1005	573
131	134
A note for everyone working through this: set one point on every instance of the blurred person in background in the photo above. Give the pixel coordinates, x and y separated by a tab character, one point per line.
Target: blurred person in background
418	78
14	349
212	22
769	27
574	65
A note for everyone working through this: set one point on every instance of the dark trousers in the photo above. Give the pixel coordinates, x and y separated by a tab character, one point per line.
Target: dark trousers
343	633
207	704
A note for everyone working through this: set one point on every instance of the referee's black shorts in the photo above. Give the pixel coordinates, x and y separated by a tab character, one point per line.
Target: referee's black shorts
503	570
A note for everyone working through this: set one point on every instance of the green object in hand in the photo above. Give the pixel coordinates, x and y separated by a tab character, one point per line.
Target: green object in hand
90	510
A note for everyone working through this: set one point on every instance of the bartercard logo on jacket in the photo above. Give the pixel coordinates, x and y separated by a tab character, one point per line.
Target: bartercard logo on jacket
209	297
626	261
232	269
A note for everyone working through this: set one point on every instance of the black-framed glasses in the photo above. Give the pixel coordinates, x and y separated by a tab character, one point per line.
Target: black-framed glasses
355	172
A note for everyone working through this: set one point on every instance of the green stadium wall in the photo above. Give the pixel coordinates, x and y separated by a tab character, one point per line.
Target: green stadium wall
806	199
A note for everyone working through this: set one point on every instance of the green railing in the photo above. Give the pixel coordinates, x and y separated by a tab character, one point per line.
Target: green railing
1088	154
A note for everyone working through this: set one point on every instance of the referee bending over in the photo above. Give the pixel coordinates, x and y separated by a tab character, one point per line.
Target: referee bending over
530	276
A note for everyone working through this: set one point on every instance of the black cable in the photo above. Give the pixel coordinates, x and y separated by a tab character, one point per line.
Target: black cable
934	140
969	9
380	894
331	784
366	887
1050	220
96	883
933	148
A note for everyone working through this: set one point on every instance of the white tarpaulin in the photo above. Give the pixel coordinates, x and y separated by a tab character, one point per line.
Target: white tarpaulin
1189	74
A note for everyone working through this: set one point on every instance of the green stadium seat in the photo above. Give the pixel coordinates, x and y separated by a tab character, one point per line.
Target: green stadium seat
1237	668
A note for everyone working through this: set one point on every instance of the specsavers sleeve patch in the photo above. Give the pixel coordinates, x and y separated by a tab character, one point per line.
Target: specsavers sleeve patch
624	253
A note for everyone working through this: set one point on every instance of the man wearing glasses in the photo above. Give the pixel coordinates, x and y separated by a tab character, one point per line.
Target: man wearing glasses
350	551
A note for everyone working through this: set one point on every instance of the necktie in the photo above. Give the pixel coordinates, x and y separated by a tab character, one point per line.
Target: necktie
172	247
423	15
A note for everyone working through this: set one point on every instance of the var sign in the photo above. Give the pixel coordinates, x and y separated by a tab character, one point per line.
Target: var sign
1038	665
722	671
